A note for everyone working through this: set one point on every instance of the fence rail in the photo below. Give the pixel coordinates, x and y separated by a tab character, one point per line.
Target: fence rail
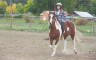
33	23
24	22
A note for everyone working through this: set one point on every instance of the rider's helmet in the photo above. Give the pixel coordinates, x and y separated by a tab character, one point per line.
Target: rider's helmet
59	4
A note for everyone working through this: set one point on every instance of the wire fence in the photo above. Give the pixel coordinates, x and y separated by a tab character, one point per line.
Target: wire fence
22	22
86	26
25	22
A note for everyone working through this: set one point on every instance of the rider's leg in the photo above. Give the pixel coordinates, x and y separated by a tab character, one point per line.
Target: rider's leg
62	27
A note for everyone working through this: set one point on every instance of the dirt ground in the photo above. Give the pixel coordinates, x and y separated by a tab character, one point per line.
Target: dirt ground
17	45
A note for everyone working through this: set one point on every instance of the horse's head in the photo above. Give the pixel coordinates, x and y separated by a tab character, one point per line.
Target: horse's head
52	17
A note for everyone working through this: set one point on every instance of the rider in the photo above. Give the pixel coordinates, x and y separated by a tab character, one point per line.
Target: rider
60	15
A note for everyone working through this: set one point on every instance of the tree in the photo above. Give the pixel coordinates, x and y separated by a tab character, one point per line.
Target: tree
28	6
41	5
19	8
11	9
1	10
93	7
69	5
52	5
84	5
16	1
3	6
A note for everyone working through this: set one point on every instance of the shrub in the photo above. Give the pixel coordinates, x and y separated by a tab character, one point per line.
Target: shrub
81	21
27	17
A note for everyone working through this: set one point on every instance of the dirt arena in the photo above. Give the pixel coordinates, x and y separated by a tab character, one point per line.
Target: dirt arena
17	45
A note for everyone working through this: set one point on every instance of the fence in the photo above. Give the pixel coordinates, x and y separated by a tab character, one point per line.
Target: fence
94	26
26	22
22	22
86	26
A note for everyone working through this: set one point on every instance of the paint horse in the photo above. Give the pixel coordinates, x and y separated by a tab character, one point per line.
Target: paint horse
55	32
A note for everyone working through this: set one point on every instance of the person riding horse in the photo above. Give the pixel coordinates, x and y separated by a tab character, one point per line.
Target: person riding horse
60	27
60	15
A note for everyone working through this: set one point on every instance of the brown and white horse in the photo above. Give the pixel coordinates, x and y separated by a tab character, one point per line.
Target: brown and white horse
55	32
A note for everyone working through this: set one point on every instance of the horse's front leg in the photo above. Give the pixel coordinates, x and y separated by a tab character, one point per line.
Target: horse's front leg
54	48
51	45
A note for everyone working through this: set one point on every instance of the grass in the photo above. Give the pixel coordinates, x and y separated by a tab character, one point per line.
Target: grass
85	29
20	24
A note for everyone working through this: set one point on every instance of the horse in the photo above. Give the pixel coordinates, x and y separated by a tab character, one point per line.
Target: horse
55	32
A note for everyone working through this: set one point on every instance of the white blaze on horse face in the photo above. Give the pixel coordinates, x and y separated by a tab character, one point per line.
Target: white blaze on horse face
51	16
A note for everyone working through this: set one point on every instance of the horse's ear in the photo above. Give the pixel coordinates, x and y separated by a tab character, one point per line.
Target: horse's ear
54	12
50	12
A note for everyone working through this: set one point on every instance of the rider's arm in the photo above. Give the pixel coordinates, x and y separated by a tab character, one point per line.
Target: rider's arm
63	17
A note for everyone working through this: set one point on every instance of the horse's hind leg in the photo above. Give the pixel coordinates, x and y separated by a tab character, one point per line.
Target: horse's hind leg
65	45
74	43
75	51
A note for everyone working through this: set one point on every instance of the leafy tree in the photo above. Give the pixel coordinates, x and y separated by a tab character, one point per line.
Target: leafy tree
39	6
19	8
1	10
16	1
93	7
69	5
52	5
84	5
3	6
28	6
11	9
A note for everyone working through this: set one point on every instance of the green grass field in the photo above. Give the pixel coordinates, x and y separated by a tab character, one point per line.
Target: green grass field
20	24
85	29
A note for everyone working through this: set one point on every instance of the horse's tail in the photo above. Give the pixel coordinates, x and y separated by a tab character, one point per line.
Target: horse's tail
76	35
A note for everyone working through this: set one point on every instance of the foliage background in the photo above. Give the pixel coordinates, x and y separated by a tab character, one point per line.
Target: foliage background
37	6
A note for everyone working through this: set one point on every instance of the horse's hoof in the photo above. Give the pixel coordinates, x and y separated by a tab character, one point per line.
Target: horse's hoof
52	55
63	51
52	49
75	52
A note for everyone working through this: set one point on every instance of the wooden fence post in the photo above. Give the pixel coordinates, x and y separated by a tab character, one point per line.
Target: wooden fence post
93	27
11	22
30	23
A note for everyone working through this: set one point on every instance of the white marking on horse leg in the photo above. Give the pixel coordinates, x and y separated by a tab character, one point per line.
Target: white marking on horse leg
65	45
67	28
51	47
54	50
75	46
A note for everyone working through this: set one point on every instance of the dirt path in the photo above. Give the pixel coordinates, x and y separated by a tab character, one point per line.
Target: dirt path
32	46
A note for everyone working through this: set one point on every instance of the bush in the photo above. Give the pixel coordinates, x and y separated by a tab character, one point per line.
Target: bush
81	21
19	16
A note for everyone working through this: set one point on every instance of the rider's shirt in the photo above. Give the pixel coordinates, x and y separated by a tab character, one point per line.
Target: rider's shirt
60	16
